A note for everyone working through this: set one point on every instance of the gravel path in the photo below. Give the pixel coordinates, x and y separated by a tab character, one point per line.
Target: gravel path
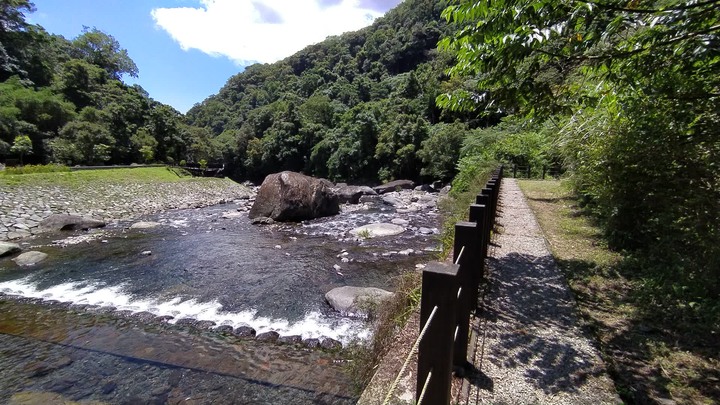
528	345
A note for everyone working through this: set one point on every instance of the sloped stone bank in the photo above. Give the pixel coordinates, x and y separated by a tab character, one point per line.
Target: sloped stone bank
22	208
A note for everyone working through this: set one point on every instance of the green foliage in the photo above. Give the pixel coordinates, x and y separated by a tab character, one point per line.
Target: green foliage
440	152
355	107
22	145
32	169
103	50
627	93
68	97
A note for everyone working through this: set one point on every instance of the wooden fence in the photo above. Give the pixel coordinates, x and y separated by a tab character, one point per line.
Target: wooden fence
450	294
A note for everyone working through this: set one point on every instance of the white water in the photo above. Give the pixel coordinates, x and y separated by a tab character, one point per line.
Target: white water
313	325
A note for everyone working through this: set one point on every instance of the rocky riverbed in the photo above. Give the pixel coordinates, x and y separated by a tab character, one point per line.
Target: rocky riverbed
22	208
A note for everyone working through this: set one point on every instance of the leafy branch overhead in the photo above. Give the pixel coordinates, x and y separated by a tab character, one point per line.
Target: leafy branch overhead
524	53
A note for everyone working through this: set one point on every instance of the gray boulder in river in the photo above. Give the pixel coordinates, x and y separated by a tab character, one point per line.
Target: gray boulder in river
394	186
7	248
64	222
352	194
290	196
350	300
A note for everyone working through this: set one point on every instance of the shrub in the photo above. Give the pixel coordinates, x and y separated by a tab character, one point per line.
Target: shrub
30	169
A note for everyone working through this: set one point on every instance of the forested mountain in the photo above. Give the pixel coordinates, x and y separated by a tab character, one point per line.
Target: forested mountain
359	106
64	101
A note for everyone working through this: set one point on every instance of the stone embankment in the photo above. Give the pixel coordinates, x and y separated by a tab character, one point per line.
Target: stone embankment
22	208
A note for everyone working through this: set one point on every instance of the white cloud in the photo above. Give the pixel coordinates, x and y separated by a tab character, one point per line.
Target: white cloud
261	30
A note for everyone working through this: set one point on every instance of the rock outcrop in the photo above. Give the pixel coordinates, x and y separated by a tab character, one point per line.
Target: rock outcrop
350	300
64	222
290	196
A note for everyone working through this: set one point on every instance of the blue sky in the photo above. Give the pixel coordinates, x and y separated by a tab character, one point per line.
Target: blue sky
187	49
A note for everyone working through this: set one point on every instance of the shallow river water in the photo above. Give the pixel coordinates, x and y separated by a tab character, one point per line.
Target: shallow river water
84	323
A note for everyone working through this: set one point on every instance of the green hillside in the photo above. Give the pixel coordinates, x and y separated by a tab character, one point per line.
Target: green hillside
360	106
64	101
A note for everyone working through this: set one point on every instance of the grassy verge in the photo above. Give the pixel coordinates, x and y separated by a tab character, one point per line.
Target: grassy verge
657	348
80	178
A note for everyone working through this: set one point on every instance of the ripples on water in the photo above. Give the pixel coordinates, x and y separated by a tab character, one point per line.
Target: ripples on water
206	267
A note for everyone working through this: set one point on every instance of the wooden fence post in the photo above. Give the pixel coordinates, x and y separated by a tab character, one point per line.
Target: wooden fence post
435	354
466	241
484	199
514	171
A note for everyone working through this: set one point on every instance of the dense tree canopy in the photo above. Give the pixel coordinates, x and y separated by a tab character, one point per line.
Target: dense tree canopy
68	99
632	91
355	107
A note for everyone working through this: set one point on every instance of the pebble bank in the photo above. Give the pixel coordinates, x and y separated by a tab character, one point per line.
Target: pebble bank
22	208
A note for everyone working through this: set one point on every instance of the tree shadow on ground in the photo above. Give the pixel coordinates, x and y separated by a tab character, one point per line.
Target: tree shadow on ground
628	339
535	325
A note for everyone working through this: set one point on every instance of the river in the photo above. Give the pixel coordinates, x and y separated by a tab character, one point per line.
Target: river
92	322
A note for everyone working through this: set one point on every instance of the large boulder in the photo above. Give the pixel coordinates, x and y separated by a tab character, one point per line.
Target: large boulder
7	248
64	222
350	300
394	186
352	194
290	196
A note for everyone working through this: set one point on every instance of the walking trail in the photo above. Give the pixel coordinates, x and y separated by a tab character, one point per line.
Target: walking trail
528	346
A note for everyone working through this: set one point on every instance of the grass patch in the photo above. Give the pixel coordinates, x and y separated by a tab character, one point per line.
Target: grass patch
657	346
85	177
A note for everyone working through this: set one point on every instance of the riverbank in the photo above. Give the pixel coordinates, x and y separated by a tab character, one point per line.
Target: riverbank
108	195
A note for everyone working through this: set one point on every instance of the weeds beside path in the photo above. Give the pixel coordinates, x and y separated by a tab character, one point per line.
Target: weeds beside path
657	349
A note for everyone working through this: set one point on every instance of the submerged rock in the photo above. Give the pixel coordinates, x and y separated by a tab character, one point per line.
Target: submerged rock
30	258
290	196
144	225
350	300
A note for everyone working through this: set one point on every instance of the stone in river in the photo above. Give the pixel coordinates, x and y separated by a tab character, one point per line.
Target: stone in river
225	329
330	344
352	194
7	248
64	222
350	300
30	258
312	343
271	336
293	339
144	225
244	332
377	229
394	186
290	196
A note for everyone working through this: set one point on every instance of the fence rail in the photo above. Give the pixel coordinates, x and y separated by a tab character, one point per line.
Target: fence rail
527	171
450	294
